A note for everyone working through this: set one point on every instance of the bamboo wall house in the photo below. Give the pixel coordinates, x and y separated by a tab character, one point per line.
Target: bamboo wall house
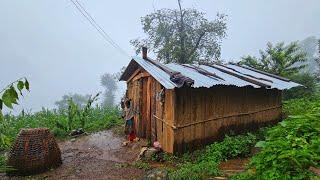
187	106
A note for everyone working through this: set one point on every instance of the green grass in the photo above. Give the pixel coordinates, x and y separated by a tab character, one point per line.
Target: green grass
96	119
142	165
203	164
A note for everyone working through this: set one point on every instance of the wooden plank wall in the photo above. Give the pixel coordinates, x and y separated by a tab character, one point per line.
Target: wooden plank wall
204	115
164	117
156	116
137	87
153	110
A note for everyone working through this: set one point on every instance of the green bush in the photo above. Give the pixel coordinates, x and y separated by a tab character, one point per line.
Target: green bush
309	87
291	147
302	105
206	163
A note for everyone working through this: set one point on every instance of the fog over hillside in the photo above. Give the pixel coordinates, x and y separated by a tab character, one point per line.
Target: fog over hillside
53	45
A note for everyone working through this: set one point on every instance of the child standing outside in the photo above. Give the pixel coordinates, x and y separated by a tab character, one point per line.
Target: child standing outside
129	115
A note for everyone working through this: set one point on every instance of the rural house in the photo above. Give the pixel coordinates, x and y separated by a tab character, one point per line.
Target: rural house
187	106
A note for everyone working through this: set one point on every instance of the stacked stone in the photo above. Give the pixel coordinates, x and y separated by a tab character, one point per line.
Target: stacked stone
34	151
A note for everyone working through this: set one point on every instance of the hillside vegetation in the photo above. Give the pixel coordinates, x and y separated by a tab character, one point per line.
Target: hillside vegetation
59	122
289	150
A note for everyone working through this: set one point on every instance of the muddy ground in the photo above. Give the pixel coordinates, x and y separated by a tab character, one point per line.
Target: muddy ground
101	156
95	156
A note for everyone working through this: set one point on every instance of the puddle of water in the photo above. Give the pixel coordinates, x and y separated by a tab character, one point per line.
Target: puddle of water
104	145
111	157
104	140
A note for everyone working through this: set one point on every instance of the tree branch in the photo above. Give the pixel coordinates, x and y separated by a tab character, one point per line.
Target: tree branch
196	45
179	3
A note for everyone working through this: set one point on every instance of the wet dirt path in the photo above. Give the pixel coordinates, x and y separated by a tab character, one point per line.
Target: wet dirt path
96	156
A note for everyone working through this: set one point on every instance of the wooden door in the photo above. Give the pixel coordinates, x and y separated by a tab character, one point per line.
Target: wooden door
144	120
136	104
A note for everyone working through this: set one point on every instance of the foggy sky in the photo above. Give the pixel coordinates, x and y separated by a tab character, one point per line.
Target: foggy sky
50	43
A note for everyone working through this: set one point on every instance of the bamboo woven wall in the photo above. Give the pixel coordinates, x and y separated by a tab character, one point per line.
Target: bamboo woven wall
204	115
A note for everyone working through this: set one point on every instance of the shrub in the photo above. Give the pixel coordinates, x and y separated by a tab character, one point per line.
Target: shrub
302	105
207	161
291	147
309	83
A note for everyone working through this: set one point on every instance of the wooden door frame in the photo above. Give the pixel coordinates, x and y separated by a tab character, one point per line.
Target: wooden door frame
153	111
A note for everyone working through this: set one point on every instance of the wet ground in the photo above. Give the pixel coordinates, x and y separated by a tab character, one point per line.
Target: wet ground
96	156
101	156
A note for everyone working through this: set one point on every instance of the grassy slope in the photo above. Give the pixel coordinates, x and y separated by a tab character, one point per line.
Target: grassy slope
291	147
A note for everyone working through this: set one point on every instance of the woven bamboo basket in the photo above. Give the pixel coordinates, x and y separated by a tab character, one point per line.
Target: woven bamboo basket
34	151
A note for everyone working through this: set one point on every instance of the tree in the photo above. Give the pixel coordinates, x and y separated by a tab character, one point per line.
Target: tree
310	46
182	35
317	60
118	74
108	81
309	87
279	59
78	99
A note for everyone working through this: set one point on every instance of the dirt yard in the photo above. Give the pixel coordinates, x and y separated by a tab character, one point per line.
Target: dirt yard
101	156
95	156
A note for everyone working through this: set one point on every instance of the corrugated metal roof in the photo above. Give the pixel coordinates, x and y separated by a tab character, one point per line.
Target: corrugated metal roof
276	83
230	74
162	77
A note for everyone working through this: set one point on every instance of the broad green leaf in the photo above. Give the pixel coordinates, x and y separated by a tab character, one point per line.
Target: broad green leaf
6	98
20	85
26	84
14	95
